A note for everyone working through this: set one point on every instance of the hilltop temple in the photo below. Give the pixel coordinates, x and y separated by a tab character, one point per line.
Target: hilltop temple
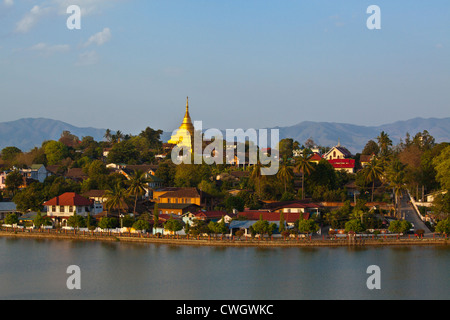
184	135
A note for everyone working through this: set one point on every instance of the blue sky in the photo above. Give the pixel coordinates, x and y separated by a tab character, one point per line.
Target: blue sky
244	64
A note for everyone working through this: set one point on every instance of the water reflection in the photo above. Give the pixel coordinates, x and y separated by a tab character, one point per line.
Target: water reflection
36	269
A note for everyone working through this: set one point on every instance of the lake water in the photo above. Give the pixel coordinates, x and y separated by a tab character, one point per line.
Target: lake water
37	269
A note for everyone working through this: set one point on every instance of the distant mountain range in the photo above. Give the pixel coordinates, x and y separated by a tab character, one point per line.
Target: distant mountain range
355	137
28	133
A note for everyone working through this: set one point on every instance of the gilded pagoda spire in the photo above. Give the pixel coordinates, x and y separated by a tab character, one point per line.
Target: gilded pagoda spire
187	122
185	134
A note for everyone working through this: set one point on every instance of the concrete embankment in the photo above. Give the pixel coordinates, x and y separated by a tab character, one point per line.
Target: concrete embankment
231	243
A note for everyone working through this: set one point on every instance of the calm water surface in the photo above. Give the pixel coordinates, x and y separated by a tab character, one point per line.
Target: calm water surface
36	269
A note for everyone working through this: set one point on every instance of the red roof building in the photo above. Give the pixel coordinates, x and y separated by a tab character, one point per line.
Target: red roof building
343	164
67	205
68	199
315	158
210	215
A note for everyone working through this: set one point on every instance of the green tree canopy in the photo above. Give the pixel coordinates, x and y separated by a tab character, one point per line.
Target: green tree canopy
153	137
173	225
11	219
10	153
399	226
217	227
166	172
234	202
108	223
141	225
123	152
55	151
285	148
32	198
370	148
263	227
443	226
441	206
13	181
190	175
76	221
307	226
354	225
442	166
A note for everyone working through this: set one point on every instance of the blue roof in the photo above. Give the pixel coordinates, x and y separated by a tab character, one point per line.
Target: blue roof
8	207
245	224
241	224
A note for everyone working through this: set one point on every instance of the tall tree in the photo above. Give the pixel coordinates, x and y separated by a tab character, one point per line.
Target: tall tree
304	166
153	137
10	153
118	136
285	173
285	148
69	139
396	179
108	135
257	177
384	142
138	186
370	148
373	172
117	198
282	223
55	151
442	166
13	181
424	140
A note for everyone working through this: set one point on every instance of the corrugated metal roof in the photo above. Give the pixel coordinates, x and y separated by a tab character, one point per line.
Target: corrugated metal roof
7	206
245	224
241	224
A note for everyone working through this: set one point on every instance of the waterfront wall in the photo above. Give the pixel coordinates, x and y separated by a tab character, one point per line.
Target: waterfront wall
211	241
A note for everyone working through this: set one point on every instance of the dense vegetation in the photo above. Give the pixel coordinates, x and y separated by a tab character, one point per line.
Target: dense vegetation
417	164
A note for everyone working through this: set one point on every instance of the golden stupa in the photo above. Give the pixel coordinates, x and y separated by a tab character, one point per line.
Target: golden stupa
184	135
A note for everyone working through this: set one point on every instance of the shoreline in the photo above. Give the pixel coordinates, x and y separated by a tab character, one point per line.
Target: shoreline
232	243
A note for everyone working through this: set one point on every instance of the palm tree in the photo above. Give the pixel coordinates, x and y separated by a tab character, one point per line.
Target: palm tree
396	178
116	198
373	171
384	142
305	167
119	135
108	135
138	185
257	176
285	173
357	214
